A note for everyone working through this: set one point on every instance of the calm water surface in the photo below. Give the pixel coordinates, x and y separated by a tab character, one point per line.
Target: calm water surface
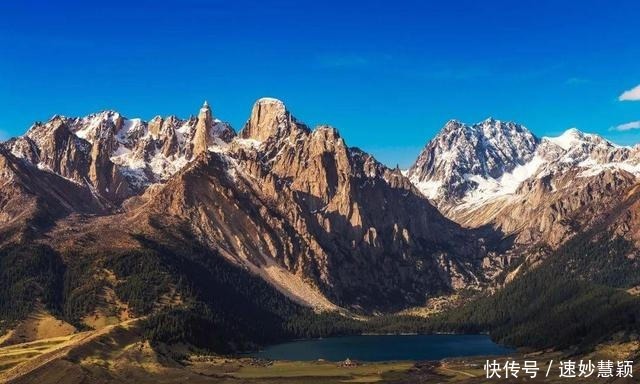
382	348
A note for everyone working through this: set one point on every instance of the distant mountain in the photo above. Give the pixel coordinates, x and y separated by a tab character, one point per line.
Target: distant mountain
458	160
539	189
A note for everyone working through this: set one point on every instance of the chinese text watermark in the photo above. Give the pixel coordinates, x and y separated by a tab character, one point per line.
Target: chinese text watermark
511	369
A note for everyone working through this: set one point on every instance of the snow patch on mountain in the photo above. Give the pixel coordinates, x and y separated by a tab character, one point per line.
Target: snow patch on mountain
429	188
592	168
489	188
249	143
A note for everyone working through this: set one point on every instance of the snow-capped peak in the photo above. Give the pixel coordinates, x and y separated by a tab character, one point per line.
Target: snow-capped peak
473	164
573	138
460	153
570	138
145	152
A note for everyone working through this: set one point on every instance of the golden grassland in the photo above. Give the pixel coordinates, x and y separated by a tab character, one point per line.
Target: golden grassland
14	355
38	326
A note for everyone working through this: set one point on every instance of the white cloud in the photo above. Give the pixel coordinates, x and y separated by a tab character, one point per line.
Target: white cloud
627	126
631	95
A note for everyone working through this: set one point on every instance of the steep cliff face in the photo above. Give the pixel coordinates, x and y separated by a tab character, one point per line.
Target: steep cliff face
270	119
540	190
53	146
285	197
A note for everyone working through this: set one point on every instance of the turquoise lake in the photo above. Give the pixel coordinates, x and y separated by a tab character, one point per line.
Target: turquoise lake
384	348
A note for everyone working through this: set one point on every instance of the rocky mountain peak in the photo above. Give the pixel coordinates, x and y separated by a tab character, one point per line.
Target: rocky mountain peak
452	126
205	110
99	126
155	125
461	152
203	136
270	119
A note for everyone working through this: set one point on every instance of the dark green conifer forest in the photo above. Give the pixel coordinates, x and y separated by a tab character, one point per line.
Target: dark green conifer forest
576	298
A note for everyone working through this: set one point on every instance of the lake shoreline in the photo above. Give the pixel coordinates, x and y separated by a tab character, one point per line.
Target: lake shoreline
384	347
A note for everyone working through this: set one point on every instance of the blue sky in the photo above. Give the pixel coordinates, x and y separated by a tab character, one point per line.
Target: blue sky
387	74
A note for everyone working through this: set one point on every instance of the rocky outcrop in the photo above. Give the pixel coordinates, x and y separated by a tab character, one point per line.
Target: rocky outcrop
59	150
54	147
203	135
270	120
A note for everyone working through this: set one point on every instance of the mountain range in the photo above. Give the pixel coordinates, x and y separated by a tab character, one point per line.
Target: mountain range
105	219
537	189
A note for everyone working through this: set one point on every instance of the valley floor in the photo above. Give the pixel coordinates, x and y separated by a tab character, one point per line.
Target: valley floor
116	355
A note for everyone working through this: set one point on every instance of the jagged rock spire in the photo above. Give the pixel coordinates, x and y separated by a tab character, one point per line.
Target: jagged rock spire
203	138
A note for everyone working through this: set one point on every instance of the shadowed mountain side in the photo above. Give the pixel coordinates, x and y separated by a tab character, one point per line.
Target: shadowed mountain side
31	199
